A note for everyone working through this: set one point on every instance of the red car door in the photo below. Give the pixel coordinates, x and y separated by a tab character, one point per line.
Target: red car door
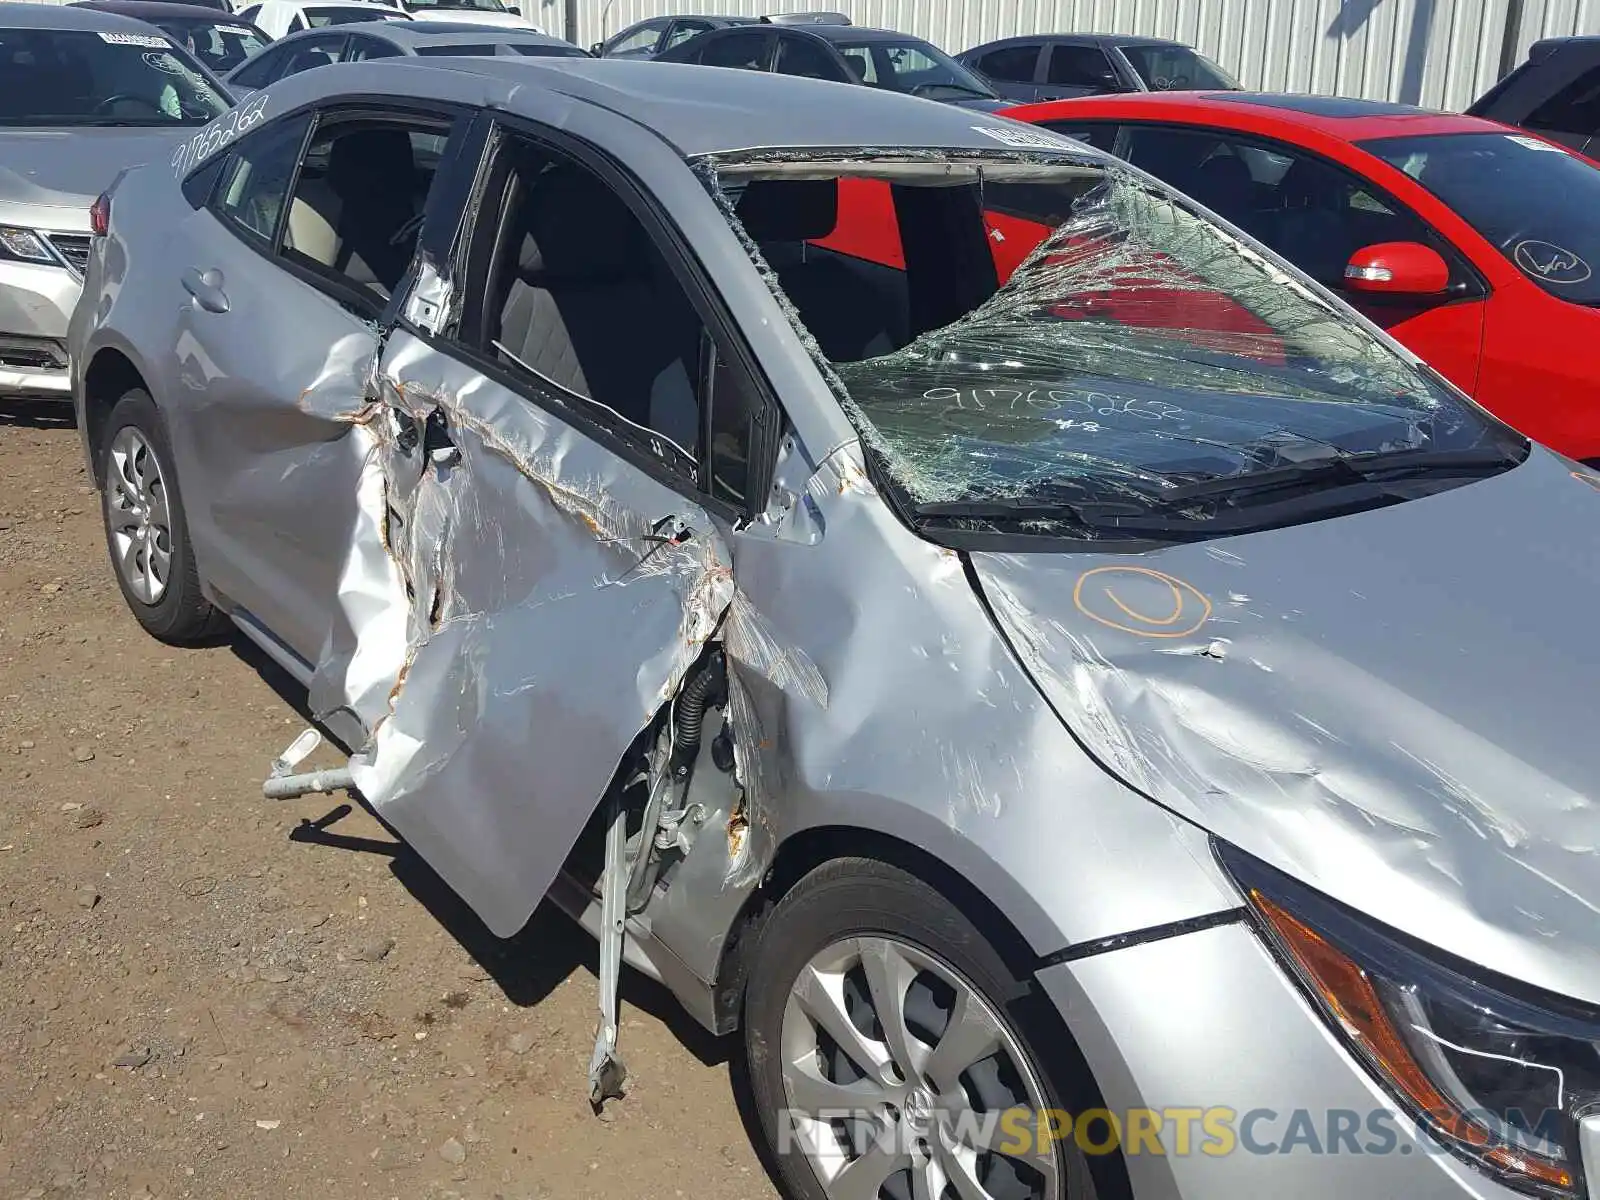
1448	336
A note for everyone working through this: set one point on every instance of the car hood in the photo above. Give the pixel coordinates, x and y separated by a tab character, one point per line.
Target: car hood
1396	707
67	168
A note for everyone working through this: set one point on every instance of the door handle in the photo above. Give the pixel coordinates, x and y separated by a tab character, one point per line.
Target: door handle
206	288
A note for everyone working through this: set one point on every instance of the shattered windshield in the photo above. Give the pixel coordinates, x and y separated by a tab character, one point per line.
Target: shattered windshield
1065	349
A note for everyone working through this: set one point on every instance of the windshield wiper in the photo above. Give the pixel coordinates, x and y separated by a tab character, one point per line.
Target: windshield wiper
1385	466
1128	524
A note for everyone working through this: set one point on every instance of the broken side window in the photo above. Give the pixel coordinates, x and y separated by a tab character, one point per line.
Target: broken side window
1062	348
571	294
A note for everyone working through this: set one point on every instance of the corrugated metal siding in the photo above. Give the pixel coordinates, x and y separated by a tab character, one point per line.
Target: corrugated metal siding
1438	53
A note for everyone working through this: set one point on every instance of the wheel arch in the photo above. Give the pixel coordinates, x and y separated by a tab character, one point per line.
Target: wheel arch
110	375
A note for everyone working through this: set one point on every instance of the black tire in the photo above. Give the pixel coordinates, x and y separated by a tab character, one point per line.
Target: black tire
180	615
865	897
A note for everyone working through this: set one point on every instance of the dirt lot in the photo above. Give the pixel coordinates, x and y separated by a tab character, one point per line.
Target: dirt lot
204	994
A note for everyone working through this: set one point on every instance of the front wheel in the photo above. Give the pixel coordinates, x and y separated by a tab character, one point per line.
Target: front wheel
145	529
882	1058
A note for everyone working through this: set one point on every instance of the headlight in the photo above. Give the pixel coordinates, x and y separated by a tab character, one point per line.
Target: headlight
1500	1075
23	245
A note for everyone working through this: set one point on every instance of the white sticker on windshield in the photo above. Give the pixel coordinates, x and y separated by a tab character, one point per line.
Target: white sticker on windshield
1026	137
236	30
1534	143
135	39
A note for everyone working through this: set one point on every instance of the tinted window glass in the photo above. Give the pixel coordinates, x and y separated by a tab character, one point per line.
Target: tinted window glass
1081	66
1535	203
641	39
363	48
74	77
1015	64
313	52
911	66
260	70
802	56
1177	68
1574	109
746	50
1312	213
682	31
1101	137
255	182
220	47
318	17
543	50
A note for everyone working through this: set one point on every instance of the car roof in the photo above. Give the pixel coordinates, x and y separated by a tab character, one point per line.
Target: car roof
309	4
1107	39
161	10
697	110
1335	116
67	18
443	33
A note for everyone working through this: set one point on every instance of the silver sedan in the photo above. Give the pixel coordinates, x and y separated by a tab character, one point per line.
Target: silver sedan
1095	714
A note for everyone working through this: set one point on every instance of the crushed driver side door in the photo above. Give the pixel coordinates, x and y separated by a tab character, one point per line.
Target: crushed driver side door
537	574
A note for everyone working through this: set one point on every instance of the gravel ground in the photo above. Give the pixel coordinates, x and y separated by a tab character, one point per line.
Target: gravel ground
203	994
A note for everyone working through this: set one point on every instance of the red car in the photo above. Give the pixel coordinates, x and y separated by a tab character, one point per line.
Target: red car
1473	243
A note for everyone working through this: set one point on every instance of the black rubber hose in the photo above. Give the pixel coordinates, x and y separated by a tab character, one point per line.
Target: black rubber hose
692	713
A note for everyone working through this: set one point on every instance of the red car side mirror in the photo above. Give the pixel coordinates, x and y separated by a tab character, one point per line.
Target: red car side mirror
1397	269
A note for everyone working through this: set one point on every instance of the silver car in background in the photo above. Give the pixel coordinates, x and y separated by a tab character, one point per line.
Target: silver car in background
389	39
1098	717
82	95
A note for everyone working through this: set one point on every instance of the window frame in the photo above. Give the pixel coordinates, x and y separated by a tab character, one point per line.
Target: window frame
1469	284
479	218
455	122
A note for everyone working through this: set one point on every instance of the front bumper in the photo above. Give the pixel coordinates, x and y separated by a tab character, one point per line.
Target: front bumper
1205	1030
36	302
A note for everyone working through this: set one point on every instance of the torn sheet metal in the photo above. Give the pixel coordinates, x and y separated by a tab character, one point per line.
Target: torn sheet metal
517	620
1344	700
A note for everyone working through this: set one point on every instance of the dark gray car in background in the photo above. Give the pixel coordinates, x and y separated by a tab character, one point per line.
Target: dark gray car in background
841	53
390	39
1061	66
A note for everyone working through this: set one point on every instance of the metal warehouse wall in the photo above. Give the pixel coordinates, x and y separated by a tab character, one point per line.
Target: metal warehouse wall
1439	53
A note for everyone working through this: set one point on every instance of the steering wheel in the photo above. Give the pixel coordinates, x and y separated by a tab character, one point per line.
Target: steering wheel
103	108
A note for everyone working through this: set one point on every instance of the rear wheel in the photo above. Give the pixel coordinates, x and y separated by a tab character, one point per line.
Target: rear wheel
145	530
884	1061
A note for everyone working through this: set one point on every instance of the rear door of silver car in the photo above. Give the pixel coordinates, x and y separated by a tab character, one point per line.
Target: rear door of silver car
307	230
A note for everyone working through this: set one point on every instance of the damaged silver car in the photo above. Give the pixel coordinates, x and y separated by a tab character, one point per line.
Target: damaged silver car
1098	717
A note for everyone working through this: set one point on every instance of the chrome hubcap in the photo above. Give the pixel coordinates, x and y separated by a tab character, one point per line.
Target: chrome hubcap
137	516
897	1074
